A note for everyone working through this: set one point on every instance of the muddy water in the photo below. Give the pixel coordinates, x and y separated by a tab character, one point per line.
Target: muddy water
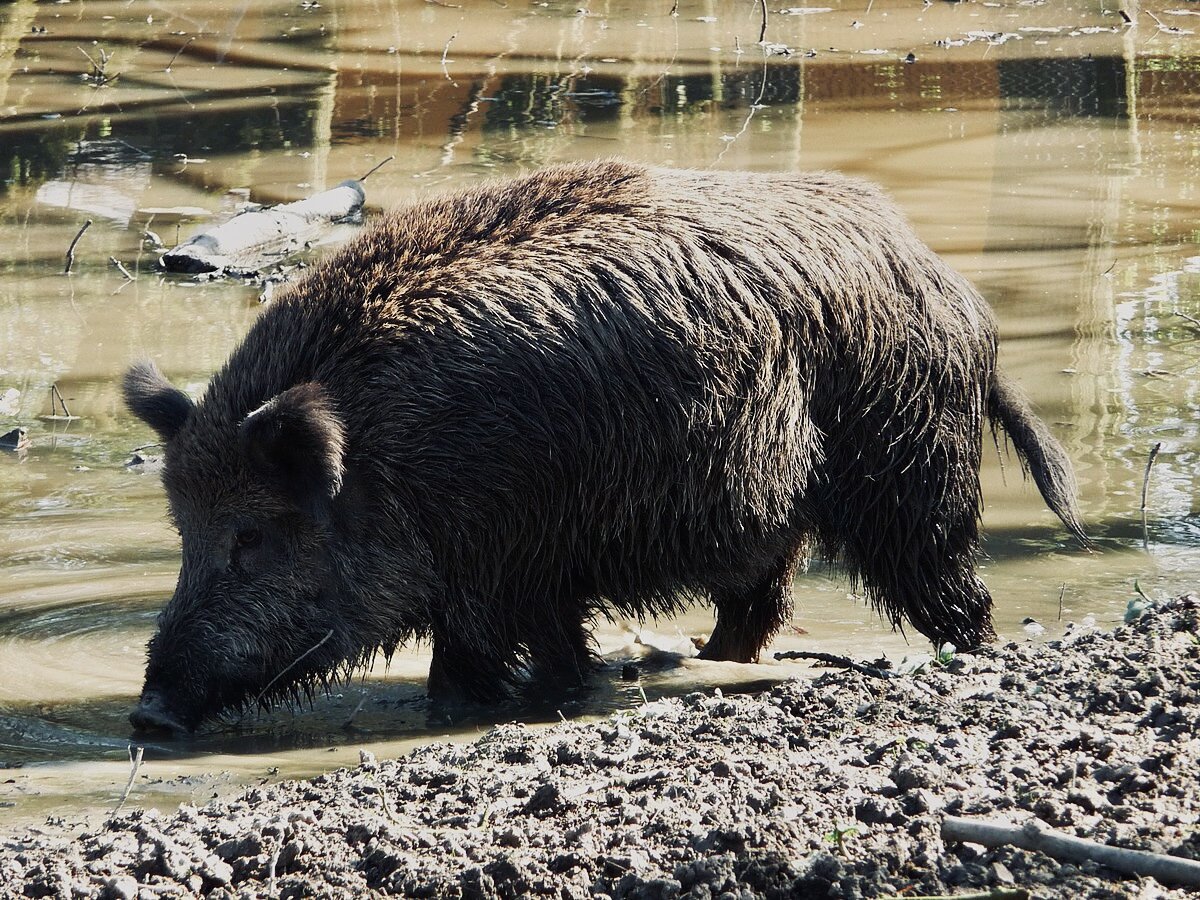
1051	155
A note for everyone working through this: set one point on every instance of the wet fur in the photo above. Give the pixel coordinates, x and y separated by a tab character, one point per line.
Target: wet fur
611	388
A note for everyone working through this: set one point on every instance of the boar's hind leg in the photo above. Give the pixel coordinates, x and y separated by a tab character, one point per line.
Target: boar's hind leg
561	653
911	534
747	619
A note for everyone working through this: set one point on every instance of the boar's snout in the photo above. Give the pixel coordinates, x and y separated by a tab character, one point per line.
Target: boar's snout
152	714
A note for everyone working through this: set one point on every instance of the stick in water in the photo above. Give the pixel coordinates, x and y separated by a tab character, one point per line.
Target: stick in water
71	250
177	52
446	50
762	32
135	763
377	167
55	392
120	268
1146	487
349	723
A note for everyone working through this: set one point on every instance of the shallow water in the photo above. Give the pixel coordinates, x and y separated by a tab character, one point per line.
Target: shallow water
1051	154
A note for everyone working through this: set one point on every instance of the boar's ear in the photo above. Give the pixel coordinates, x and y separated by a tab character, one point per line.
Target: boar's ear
296	440
155	400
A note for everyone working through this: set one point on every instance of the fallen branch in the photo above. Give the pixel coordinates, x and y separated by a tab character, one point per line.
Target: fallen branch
253	239
999	893
71	250
1033	835
842	662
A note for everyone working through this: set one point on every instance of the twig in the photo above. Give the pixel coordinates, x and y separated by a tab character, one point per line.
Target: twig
383	797
177	52
443	3
348	724
1146	487
56	393
445	51
377	167
1191	319
120	268
675	9
1033	835
762	32
135	763
71	250
295	662
843	662
272	868
1061	594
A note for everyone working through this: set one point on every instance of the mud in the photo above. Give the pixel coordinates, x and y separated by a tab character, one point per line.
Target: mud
835	787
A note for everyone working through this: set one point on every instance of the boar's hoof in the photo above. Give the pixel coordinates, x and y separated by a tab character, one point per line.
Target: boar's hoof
151	715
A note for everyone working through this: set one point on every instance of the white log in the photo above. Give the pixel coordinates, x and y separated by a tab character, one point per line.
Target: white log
252	240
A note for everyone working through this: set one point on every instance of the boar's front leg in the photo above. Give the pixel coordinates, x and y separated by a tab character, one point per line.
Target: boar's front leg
463	672
748	618
560	651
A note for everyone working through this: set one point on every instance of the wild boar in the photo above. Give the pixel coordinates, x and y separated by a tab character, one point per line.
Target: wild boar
601	388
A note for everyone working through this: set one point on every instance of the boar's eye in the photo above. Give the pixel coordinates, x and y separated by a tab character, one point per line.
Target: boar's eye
247	538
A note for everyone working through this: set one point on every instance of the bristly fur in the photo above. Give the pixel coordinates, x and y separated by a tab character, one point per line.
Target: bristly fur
155	400
608	388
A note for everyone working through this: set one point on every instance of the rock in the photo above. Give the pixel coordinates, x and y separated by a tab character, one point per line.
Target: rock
120	887
15	440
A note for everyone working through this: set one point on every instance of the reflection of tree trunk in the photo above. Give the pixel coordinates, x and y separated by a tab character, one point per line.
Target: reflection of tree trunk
322	133
17	23
460	120
1094	350
1130	41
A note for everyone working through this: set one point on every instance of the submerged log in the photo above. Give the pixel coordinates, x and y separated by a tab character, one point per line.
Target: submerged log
257	238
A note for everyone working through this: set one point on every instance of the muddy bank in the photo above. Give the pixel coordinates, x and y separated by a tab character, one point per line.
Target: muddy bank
831	788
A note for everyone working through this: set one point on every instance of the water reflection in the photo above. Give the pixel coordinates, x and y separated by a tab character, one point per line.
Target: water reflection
1057	168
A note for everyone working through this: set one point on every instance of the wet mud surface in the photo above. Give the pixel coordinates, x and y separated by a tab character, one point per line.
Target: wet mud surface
831	788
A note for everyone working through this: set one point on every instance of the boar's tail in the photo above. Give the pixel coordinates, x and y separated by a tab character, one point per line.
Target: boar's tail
1040	452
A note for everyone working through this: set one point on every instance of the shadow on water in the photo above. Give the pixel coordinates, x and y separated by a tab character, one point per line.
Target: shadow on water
361	711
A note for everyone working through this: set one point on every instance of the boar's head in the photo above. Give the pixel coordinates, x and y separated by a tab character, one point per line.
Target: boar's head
256	612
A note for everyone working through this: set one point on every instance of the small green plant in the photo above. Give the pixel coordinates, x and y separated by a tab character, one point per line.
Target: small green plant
838	835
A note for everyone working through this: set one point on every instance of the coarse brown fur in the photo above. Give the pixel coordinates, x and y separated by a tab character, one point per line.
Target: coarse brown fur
603	387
